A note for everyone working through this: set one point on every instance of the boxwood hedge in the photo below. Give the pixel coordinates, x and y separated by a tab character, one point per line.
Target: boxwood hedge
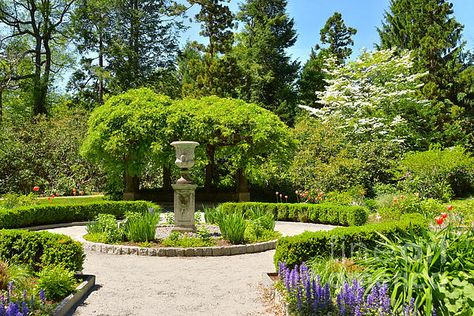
302	212
54	214
40	249
342	241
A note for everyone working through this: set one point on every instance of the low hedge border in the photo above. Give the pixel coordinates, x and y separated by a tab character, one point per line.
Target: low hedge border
37	215
40	249
324	213
342	241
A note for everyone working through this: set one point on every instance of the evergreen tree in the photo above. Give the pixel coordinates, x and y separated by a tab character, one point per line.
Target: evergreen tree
209	69
429	28
338	37
269	73
128	43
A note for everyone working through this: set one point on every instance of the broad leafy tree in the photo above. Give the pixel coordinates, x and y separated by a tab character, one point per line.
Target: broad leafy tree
43	24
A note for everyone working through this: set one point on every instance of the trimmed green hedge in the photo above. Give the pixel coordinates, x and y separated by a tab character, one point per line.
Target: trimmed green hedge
343	241
40	249
36	215
302	212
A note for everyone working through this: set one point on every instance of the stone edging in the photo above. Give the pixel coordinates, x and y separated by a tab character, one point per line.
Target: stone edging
67	304
181	252
278	299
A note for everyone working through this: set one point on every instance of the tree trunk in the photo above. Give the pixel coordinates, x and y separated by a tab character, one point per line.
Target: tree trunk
132	183
209	182
39	93
167	178
1	106
242	182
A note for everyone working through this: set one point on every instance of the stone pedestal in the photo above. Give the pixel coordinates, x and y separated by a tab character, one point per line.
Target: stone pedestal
184	207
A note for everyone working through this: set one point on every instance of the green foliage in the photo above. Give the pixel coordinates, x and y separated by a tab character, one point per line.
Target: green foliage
141	227
426	266
338	36
183	240
40	249
52	214
4	276
267	69
437	173
106	226
45	153
122	131
314	213
342	242
334	271
232	227
57	282
12	200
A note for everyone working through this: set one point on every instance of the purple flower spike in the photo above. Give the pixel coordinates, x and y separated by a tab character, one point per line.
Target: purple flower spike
42	296
12	310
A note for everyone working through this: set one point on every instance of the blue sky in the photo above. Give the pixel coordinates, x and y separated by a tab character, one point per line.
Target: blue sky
364	15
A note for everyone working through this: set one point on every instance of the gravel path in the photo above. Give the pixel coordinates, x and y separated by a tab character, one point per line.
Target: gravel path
135	285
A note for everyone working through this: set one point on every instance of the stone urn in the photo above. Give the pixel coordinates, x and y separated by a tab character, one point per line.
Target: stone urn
184	189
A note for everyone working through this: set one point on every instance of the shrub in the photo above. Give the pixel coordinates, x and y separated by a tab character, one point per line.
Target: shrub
53	214
438	173
343	241
40	249
232	227
12	200
106	226
184	240
57	282
324	213
141	227
4	275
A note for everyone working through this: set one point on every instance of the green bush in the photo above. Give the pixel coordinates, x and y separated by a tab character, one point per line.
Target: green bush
106	226
141	227
54	214
12	200
324	213
438	173
40	249
343	241
232	227
183	240
57	282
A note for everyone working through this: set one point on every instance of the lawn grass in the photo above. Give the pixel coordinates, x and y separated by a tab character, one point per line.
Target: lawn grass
69	200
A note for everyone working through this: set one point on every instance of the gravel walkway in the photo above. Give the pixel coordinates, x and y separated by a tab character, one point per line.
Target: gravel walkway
135	285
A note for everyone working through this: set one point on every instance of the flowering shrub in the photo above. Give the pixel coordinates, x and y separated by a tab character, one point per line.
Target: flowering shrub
14	304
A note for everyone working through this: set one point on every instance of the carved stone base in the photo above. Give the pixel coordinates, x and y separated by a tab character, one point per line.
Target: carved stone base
184	206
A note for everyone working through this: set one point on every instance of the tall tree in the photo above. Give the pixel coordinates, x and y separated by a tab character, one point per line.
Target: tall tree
269	73
44	23
127	43
429	28
209	69
338	39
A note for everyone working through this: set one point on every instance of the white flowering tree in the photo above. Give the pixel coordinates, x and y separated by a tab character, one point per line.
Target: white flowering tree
376	98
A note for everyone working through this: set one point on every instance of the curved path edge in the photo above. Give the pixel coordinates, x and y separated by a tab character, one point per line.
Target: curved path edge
214	251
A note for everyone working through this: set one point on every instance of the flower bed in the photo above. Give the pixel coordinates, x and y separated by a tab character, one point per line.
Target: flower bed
341	241
324	213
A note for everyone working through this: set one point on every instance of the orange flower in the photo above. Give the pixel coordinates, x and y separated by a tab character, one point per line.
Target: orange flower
439	220
444	215
450	207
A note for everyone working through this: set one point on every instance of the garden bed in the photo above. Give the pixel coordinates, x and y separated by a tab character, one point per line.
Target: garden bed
82	290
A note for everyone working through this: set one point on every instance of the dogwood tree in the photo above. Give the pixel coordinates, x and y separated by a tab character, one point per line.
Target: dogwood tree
376	97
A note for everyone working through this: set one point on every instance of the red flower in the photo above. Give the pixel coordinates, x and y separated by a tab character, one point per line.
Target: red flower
450	207
439	220
36	188
444	215
52	196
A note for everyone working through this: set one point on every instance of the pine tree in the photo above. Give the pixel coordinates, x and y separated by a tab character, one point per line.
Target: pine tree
208	69
338	37
269	73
